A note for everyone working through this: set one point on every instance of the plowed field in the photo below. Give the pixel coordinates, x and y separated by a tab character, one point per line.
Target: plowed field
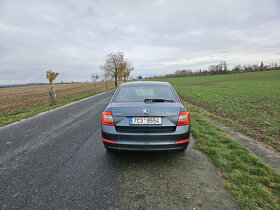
16	98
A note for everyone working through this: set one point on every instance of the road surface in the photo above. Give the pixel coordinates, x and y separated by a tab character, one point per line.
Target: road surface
56	160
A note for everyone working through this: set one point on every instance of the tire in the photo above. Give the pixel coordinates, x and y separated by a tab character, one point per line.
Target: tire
183	149
108	149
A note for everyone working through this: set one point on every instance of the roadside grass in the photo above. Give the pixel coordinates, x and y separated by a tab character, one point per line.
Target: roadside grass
249	102
10	117
253	184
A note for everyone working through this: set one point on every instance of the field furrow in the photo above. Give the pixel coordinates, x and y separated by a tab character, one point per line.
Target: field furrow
17	98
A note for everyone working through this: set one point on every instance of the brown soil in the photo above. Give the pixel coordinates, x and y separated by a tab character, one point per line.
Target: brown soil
16	98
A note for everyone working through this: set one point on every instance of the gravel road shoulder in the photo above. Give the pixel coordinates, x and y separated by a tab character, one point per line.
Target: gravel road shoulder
265	152
170	180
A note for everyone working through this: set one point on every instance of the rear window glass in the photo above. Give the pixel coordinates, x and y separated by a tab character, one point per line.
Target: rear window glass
140	93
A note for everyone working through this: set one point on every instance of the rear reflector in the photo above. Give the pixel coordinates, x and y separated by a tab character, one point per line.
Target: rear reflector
109	141
183	141
184	119
107	118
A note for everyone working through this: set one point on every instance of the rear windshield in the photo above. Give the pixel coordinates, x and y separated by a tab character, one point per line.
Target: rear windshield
139	93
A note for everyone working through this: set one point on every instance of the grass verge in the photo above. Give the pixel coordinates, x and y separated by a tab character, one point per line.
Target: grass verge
10	117
253	184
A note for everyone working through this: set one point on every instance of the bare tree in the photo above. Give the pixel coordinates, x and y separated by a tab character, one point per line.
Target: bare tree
182	73
51	77
94	78
220	67
106	78
261	67
274	65
256	67
139	77
225	66
212	68
112	65
237	68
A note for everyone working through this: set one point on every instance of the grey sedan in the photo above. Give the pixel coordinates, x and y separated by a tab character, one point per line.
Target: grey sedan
145	116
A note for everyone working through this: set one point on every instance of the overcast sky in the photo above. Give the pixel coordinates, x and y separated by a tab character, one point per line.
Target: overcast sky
157	37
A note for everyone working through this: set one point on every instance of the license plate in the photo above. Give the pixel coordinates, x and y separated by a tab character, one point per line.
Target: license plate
145	120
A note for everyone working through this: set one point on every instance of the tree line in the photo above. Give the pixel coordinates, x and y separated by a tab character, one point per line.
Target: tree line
222	68
116	67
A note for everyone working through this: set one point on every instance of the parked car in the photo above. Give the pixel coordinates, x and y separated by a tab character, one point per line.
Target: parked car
147	116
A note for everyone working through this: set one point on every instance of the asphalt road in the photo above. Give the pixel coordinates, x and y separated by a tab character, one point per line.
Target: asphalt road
56	160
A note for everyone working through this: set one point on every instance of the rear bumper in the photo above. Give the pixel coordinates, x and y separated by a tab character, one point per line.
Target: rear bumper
145	141
133	147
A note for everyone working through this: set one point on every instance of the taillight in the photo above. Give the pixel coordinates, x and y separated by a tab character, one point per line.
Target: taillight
109	141
184	119
107	118
183	141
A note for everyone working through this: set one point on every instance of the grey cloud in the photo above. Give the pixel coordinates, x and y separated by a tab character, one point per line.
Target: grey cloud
158	37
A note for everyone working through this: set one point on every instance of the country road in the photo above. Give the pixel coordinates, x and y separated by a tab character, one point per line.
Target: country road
56	160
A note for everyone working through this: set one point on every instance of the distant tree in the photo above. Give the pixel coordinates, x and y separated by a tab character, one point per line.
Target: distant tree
274	65
212	69
220	67
51	77
94	78
125	69
261	67
267	67
205	73
237	69
255	67
225	67
139	77
183	73
112	66
106	78
248	68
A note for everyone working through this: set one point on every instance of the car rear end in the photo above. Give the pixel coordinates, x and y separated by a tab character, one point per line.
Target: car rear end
145	116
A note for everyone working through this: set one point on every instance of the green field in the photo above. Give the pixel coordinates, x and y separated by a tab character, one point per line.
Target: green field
249	102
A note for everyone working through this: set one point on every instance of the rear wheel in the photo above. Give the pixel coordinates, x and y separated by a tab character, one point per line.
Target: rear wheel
183	149
108	149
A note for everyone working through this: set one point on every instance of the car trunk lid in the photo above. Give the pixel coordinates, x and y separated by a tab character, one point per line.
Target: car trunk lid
168	111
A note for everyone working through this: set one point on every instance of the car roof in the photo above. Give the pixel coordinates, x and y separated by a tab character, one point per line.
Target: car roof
145	83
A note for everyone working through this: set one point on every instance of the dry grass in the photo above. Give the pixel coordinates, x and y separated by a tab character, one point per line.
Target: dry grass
16	98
